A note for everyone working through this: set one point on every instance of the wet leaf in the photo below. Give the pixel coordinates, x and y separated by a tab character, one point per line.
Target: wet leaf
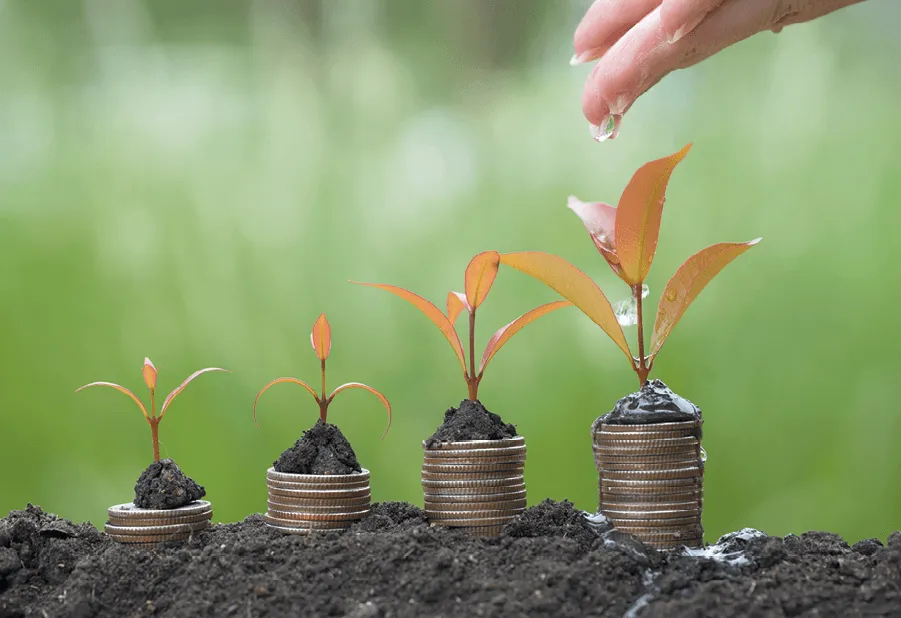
381	397
431	312
182	386
149	372
121	389
504	334
573	285
456	303
687	283
321	337
280	381
638	216
480	275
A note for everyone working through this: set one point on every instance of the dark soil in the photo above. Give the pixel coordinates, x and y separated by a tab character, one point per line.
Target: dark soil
164	486
322	449
471	421
654	403
545	564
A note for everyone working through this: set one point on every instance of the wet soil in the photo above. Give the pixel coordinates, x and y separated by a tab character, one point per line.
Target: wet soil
471	421
548	563
653	403
322	449
164	486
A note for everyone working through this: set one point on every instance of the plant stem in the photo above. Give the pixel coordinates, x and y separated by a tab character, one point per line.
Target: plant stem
471	380
152	403
323	401
155	436
642	369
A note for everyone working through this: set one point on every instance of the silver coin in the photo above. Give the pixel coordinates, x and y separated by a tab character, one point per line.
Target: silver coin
474	521
160	521
317	478
350	504
312	525
444	514
476	505
322	494
452	454
155	530
316	486
648	426
467	445
473	487
304	517
128	509
464	497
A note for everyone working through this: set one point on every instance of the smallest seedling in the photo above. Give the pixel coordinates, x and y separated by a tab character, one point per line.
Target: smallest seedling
153	420
321	338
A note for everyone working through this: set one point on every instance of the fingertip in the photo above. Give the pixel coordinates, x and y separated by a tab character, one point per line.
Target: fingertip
594	107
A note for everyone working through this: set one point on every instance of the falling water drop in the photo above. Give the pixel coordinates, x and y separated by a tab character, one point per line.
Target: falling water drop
626	311
645	290
608	130
703	455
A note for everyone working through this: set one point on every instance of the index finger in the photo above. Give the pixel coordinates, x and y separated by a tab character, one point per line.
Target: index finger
605	22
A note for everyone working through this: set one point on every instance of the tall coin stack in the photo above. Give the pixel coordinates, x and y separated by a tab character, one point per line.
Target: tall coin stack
302	503
650	481
475	484
138	527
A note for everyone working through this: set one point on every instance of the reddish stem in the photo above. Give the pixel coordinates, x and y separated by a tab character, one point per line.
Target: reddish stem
323	400
642	369
155	436
472	381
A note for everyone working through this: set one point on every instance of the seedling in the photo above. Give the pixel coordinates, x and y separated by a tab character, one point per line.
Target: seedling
626	235
321	338
479	278
153	420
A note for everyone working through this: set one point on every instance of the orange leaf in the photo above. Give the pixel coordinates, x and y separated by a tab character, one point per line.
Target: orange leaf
149	372
687	283
121	389
371	390
573	285
279	381
638	216
456	303
321	337
480	276
504	334
181	387
431	312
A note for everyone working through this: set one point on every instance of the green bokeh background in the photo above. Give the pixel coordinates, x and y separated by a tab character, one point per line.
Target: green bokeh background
197	181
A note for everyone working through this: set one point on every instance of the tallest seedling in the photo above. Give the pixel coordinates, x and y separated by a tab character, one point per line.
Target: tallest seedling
626	236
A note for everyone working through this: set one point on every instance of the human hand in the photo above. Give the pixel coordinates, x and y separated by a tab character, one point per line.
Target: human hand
638	42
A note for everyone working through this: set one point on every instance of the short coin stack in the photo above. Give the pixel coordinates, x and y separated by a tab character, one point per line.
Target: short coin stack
302	503
138	527
650	480
475	484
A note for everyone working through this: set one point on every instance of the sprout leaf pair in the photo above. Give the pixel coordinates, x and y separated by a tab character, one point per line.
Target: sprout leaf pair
321	340
480	275
149	373
626	236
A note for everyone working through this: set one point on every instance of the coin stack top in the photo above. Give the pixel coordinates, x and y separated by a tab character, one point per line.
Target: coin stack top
302	503
146	527
474	484
650	480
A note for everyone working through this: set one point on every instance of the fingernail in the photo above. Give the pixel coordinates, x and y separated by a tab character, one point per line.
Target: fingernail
608	129
586	56
687	27
678	34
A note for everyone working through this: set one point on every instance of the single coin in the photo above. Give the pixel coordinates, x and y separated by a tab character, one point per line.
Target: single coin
130	510
445	454
442	514
330	503
475	521
511	460
470	476
465	445
462	498
646	482
322	494
312	525
476	505
648	426
634	521
601	437
484	530
659	532
645	506
160	530
317	478
482	482
472	487
297	531
301	516
149	540
306	508
648	443
316	486
515	467
689	454
160	521
627	466
621	515
653	475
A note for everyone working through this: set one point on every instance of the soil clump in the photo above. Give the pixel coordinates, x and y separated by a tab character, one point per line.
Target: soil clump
653	403
52	567
471	421
164	486
322	449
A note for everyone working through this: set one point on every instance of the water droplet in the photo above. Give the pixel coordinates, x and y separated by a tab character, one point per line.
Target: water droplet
608	130
703	455
626	311
671	295
645	290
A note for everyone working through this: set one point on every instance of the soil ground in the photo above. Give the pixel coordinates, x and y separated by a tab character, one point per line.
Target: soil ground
550	562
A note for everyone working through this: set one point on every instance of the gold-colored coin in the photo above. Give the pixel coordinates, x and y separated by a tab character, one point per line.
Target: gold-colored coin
155	530
304	516
475	521
466	445
323	494
285	503
312	525
476	505
317	478
121	511
467	495
649	426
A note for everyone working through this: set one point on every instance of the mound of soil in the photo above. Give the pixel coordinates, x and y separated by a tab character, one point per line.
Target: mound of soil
471	421
51	567
164	486
654	403
322	449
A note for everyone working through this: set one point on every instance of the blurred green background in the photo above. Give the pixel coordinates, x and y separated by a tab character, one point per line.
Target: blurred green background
197	181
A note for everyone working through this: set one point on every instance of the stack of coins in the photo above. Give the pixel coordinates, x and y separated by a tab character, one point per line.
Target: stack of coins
475	484
650	481
302	503
146	527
